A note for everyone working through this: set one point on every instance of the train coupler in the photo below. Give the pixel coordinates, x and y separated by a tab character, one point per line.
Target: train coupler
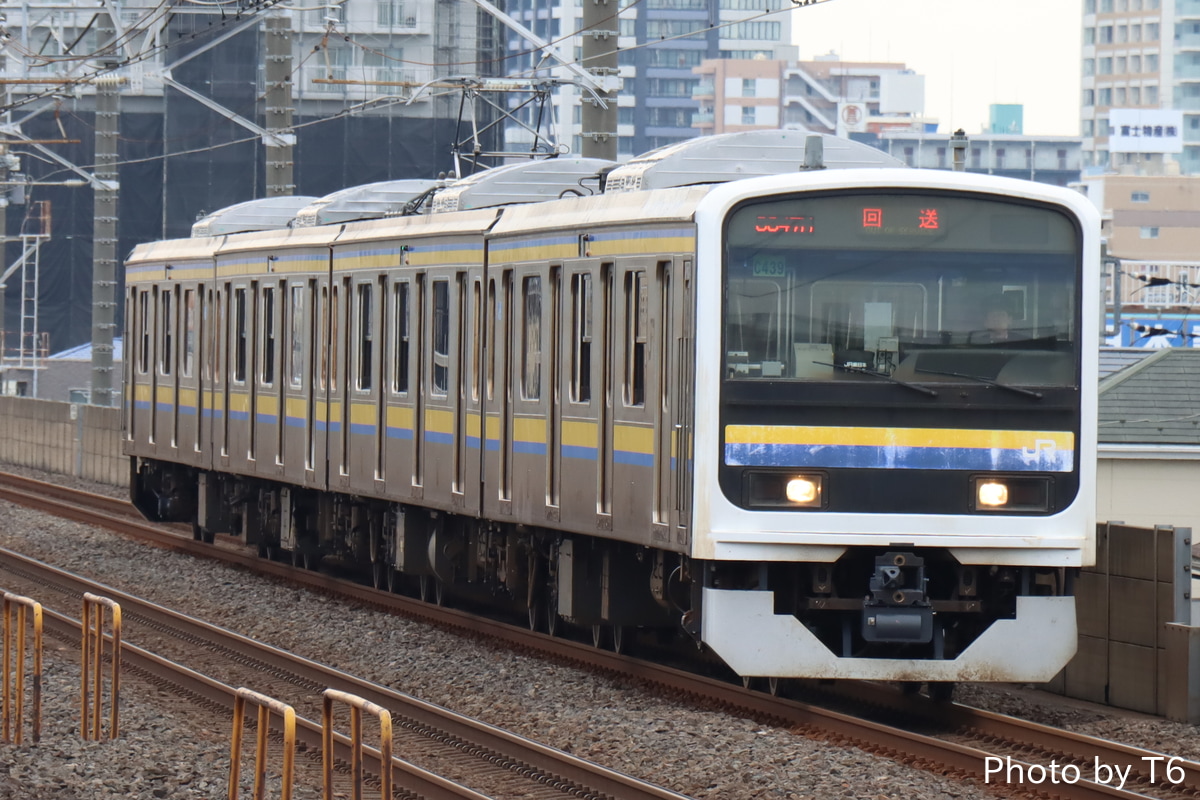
898	608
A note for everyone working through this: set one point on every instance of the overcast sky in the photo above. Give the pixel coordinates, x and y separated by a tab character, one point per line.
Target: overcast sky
972	53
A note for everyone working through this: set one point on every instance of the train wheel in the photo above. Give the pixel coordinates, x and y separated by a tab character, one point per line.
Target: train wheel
311	560
295	557
439	593
746	681
773	687
377	574
942	691
551	622
423	588
392	579
619	642
534	614
598	636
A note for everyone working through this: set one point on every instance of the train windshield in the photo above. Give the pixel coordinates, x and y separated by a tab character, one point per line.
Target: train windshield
915	287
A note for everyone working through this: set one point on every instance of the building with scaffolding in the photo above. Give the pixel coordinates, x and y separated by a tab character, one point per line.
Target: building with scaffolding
218	103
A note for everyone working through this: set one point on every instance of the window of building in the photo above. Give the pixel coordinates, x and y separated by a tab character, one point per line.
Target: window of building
1089	127
1151	31
1120	96
941	158
1106	66
1106	6
1150	95
1000	154
908	156
976	157
1135	33
1122	34
1089	66
1149	232
1151	62
1139	197
1135	64
1120	65
748	87
747	115
1062	159
1104	97
1089	97
752	30
1089	35
1106	34
1089	6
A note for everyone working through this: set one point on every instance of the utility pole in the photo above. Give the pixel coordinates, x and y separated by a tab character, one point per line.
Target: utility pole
598	126
104	234
278	74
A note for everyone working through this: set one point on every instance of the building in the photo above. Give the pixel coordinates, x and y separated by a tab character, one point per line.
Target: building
826	95
660	42
1152	282
1055	160
1141	85
194	115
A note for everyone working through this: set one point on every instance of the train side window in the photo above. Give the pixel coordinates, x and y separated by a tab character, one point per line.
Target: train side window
166	328
581	337
365	339
335	318
240	333
144	333
269	336
189	333
477	347
636	323
319	316
531	368
296	349
441	337
401	332
491	337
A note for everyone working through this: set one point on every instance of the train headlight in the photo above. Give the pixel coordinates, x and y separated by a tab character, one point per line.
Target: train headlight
781	489
991	494
804	490
1010	493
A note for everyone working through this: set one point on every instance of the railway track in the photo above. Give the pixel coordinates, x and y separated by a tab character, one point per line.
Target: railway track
1016	756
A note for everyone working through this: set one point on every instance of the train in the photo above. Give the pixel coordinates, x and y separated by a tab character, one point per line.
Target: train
821	414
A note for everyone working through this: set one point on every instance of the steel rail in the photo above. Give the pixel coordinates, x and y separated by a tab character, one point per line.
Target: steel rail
485	741
222	696
925	751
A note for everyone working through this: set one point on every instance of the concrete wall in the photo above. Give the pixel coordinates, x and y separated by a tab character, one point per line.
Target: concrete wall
1137	640
1148	492
60	437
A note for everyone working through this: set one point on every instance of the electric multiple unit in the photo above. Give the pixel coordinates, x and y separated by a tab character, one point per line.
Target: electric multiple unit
834	423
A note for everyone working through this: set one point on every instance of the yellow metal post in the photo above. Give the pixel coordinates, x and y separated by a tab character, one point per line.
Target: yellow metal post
14	701
92	626
265	706
357	706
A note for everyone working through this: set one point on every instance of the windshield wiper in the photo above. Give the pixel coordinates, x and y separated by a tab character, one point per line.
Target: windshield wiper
880	375
981	379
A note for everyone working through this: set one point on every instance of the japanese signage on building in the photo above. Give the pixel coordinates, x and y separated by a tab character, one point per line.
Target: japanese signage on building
1145	130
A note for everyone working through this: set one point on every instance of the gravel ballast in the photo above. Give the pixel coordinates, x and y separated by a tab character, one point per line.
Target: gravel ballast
701	753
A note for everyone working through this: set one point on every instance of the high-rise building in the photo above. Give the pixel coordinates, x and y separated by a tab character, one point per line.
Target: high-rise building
660	41
1141	85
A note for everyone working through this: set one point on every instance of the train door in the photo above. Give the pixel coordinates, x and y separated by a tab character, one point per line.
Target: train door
530	397
141	398
318	410
606	374
401	338
470	434
635	391
187	421
296	383
339	396
221	375
266	410
439	461
206	360
153	353
577	405
168	370
683	378
362	392
498	428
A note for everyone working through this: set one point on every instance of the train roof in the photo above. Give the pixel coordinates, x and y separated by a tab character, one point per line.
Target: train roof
369	201
527	182
664	206
278	239
175	250
733	156
265	213
465	222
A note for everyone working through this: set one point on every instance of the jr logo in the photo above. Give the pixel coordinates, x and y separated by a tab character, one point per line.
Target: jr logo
1040	446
